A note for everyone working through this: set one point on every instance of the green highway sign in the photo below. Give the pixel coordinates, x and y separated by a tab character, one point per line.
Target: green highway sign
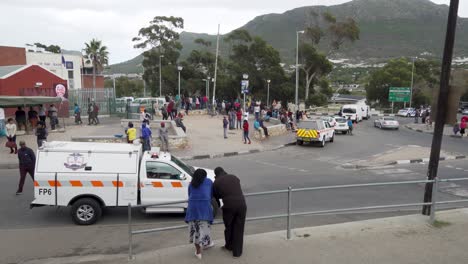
399	94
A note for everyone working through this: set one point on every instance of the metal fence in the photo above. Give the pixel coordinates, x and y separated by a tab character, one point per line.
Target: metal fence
104	98
289	214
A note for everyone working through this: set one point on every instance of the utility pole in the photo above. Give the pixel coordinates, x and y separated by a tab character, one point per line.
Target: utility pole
412	82
216	70
442	103
160	80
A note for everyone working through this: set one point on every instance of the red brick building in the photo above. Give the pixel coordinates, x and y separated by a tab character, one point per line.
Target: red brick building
12	56
30	80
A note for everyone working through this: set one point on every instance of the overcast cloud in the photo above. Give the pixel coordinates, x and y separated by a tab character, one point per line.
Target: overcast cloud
71	23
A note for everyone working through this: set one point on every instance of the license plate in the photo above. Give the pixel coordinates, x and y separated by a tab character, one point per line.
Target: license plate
305	139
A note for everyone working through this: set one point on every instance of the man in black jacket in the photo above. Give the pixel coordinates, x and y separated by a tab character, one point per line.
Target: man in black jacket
227	187
27	162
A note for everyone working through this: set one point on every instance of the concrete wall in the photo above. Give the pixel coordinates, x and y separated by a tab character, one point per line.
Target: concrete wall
274	130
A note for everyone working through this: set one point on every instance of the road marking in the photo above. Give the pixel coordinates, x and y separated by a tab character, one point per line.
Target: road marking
459	168
392	171
448	166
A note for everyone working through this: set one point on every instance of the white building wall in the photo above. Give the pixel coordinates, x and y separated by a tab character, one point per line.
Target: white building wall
53	62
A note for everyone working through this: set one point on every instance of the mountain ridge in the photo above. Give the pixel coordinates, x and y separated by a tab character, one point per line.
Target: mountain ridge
389	28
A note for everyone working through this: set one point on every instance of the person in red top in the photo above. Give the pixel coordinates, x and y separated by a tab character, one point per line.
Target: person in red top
246	131
170	107
239	118
462	127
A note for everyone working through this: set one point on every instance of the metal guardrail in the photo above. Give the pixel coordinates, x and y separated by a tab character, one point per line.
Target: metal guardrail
289	214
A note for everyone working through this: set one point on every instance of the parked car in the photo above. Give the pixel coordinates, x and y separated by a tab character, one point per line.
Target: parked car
341	125
407	112
387	122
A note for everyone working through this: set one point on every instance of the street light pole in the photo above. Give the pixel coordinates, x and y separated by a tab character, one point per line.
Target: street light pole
160	81
179	68
412	81
268	92
296	97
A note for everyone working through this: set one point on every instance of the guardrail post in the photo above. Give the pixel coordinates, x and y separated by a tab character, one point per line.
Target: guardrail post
435	189
130	238
288	228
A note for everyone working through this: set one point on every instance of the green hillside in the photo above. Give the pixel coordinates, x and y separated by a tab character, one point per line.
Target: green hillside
389	28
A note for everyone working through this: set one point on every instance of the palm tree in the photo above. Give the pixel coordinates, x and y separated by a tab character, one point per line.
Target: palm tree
98	55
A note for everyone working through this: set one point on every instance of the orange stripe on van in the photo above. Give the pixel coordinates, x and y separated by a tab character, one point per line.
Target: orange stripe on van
36	184
76	184
158	184
97	183
52	184
176	184
117	183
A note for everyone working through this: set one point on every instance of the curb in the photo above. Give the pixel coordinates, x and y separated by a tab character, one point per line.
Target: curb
429	132
236	153
400	162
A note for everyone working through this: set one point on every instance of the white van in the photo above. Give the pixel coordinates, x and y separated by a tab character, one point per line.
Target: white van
90	176
354	111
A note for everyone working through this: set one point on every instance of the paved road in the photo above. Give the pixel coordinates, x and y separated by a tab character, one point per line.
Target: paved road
296	166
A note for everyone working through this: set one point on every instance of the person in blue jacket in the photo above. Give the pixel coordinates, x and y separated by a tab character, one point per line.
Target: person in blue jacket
199	215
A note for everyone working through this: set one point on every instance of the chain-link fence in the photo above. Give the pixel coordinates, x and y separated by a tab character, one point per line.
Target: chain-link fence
104	98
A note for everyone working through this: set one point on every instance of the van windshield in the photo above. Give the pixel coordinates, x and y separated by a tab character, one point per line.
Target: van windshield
349	110
189	169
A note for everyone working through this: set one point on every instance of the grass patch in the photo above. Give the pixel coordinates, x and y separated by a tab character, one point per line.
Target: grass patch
440	224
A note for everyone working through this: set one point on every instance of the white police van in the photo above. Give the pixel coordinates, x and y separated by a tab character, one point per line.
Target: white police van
90	176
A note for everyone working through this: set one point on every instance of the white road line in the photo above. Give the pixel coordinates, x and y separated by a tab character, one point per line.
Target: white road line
448	166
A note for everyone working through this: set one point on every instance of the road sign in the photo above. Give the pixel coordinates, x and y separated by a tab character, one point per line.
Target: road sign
399	94
244	86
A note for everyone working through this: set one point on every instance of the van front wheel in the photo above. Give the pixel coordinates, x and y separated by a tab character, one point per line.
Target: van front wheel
86	211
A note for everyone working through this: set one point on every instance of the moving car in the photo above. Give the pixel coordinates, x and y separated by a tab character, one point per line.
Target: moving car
407	112
341	125
88	177
331	120
386	122
354	111
314	131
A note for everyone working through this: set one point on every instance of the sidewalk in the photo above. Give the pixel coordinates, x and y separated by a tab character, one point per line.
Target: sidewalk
205	135
422	128
405	239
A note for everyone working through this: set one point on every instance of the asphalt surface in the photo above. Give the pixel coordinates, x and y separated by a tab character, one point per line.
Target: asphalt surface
296	166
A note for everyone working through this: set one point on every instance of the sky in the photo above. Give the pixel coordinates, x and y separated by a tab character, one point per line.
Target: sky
70	24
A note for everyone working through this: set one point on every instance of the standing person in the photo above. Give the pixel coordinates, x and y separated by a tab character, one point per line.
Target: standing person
462	126
199	214
239	119
170	106
32	117
456	128
2	122
42	113
232	115
164	138
41	133
197	102
227	187
223	106
27	162
90	113
146	136
257	111
95	113
77	115
11	136
131	133
225	125
350	126
245	126
164	112
187	105
53	116
20	117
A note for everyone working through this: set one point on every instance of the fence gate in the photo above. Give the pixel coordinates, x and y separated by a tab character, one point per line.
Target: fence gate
104	98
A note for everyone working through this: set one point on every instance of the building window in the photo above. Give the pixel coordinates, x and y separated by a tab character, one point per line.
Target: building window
70	75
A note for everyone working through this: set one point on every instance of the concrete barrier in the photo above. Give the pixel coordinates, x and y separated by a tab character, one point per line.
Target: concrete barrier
274	130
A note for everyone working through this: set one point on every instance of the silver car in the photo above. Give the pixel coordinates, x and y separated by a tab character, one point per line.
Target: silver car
387	122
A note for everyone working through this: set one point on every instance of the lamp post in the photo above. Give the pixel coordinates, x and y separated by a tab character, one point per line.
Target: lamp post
245	76
160	81
412	80
179	68
296	98
268	92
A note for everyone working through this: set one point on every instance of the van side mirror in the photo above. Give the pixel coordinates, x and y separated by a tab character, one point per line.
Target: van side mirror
183	177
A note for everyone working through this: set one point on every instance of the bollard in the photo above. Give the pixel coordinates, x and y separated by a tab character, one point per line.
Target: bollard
435	189
288	228
130	238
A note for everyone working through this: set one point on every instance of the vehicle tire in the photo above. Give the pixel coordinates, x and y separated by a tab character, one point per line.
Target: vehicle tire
322	143
332	138
86	211
215	207
408	115
299	142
